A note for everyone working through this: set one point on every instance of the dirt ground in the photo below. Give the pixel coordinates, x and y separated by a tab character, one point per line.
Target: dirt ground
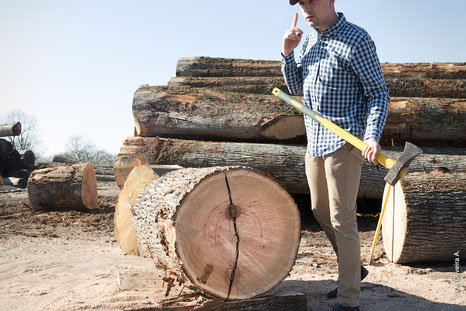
70	260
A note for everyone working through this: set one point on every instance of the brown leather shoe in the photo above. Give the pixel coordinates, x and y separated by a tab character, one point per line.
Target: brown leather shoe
334	292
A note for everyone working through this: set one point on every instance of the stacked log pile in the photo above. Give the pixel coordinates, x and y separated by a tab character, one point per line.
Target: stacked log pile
220	112
15	165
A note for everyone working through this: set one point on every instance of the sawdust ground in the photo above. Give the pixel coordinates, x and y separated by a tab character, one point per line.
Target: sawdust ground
69	261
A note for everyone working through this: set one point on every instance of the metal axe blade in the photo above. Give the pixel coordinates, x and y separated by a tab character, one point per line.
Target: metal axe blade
395	172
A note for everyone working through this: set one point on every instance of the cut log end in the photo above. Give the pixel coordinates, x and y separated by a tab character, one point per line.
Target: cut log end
89	187
267	225
123	167
137	180
233	232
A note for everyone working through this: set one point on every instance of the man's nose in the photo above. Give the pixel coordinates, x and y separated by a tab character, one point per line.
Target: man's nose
307	8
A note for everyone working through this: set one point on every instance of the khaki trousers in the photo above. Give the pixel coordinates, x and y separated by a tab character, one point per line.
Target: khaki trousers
334	182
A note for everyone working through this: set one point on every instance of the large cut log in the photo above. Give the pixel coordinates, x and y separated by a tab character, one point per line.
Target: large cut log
426	122
425	218
185	112
398	85
10	129
65	187
137	180
233	232
231	67
408	79
203	113
285	163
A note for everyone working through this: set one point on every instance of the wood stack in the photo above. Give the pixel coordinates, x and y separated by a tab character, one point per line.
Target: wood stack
15	165
220	112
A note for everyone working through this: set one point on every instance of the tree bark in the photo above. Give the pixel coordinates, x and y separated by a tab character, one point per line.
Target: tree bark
285	163
233	232
407	79
398	85
10	129
65	187
425	217
62	159
230	67
189	113
137	180
203	113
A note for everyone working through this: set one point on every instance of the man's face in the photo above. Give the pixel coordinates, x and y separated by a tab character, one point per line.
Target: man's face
317	12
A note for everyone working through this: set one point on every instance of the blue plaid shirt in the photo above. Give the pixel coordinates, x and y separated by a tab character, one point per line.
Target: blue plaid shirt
340	76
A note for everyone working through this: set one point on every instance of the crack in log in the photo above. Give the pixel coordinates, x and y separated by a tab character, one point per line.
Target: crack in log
233	215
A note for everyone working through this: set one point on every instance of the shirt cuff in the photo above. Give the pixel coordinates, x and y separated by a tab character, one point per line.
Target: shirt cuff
287	58
373	133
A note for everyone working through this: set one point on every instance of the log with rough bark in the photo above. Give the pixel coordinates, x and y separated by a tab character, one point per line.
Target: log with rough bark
185	112
407	79
137	180
72	186
398	85
282	162
203	113
62	159
230	67
425	218
10	129
28	159
232	232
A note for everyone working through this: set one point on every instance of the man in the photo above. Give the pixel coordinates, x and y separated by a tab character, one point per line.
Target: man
339	73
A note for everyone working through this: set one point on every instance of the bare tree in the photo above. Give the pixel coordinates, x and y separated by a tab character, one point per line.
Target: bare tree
81	149
28	139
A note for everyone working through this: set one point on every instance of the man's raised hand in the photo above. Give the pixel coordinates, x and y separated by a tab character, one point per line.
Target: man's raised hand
292	37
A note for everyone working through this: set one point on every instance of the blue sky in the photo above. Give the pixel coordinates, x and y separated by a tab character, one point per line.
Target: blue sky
76	64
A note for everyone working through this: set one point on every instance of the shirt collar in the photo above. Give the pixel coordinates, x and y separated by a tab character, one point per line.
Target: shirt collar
331	29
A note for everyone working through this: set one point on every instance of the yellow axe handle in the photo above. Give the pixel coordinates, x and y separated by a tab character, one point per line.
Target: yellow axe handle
353	140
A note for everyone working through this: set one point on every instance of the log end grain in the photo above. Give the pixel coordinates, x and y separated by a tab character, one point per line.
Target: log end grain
123	167
233	232
137	180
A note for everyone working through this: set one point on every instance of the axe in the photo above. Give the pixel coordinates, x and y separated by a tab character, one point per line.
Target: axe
396	169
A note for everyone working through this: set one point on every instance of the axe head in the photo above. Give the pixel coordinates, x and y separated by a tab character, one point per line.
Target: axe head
409	153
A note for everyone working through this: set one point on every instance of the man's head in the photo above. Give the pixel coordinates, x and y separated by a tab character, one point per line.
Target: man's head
319	14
